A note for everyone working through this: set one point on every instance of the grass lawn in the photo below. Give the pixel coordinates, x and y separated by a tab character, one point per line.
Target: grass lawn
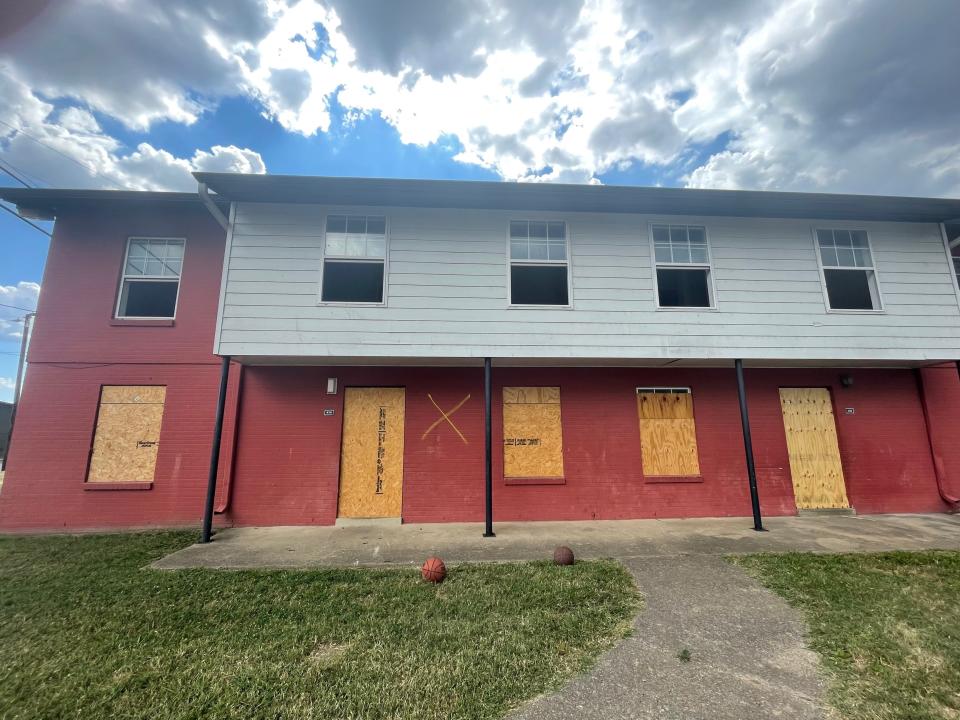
87	632
887	627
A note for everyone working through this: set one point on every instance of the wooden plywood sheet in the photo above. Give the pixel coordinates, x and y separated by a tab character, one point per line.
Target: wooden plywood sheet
811	432
371	459
127	436
668	435
532	433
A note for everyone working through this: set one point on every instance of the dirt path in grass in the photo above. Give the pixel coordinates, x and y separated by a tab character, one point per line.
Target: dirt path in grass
747	653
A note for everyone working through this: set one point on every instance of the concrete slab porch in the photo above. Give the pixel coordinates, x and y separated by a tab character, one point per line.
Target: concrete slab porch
366	545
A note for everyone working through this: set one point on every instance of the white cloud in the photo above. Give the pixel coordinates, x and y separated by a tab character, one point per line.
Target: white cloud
816	94
68	148
6	388
23	297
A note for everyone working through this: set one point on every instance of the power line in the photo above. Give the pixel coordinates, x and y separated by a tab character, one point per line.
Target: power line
16	307
10	172
20	217
61	154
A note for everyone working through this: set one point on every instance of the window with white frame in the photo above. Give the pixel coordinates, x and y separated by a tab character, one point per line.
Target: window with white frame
151	278
848	271
354	255
683	266
538	263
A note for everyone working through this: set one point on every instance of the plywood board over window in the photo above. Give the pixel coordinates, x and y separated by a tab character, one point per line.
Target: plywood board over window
668	432
532	433
127	436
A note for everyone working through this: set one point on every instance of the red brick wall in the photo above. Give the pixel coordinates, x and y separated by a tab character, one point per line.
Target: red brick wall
75	349
288	451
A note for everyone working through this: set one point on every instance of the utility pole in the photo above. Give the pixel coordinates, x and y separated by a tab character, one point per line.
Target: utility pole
24	341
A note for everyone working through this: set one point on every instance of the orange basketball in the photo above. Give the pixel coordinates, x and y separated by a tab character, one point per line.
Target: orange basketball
563	555
434	570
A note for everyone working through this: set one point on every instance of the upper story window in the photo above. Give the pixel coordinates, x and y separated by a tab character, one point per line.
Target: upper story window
151	278
683	266
539	272
848	271
354	256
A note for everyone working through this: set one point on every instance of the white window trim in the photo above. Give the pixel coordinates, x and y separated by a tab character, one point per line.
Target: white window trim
343	258
823	278
708	266
540	263
953	271
141	278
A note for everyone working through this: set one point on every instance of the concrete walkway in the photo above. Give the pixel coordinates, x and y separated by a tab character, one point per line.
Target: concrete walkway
748	655
284	547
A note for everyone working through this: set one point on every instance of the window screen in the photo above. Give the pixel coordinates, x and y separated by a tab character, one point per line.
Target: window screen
355	250
151	278
538	263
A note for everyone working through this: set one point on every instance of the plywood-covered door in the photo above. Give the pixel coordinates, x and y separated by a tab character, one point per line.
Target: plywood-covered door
814	453
371	456
127	436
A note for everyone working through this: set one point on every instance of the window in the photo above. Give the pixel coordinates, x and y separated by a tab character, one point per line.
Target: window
848	272
127	434
682	266
538	263
668	434
151	278
532	433
354	255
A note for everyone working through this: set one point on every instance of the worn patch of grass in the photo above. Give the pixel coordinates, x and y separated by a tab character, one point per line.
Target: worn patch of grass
87	632
886	625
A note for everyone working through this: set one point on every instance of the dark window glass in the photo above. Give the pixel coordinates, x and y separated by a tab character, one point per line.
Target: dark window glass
848	289
538	285
683	288
352	282
146	298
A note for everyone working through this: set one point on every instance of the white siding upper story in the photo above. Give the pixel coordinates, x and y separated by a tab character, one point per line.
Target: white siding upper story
446	293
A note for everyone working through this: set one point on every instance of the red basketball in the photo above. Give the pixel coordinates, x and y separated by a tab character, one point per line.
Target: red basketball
563	555
434	570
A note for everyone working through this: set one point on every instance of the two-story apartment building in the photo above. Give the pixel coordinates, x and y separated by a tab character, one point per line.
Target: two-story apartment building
438	351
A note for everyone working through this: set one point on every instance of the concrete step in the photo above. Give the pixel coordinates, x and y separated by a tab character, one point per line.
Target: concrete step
367	522
821	512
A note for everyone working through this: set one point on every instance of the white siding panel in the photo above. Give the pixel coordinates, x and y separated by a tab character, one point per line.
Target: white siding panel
447	292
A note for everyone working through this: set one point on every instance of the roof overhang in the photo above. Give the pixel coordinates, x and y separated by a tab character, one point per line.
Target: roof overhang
47	203
574	198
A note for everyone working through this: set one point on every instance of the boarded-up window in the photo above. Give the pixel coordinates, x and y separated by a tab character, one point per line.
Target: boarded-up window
668	434
532	436
127	436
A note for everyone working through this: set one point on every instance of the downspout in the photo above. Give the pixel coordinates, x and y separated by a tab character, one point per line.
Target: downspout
224	503
953	502
212	206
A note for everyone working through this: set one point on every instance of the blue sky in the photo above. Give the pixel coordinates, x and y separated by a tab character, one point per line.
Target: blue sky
809	95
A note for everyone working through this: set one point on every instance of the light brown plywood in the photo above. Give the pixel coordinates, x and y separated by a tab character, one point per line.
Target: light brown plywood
371	458
127	436
668	434
812	445
532	433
